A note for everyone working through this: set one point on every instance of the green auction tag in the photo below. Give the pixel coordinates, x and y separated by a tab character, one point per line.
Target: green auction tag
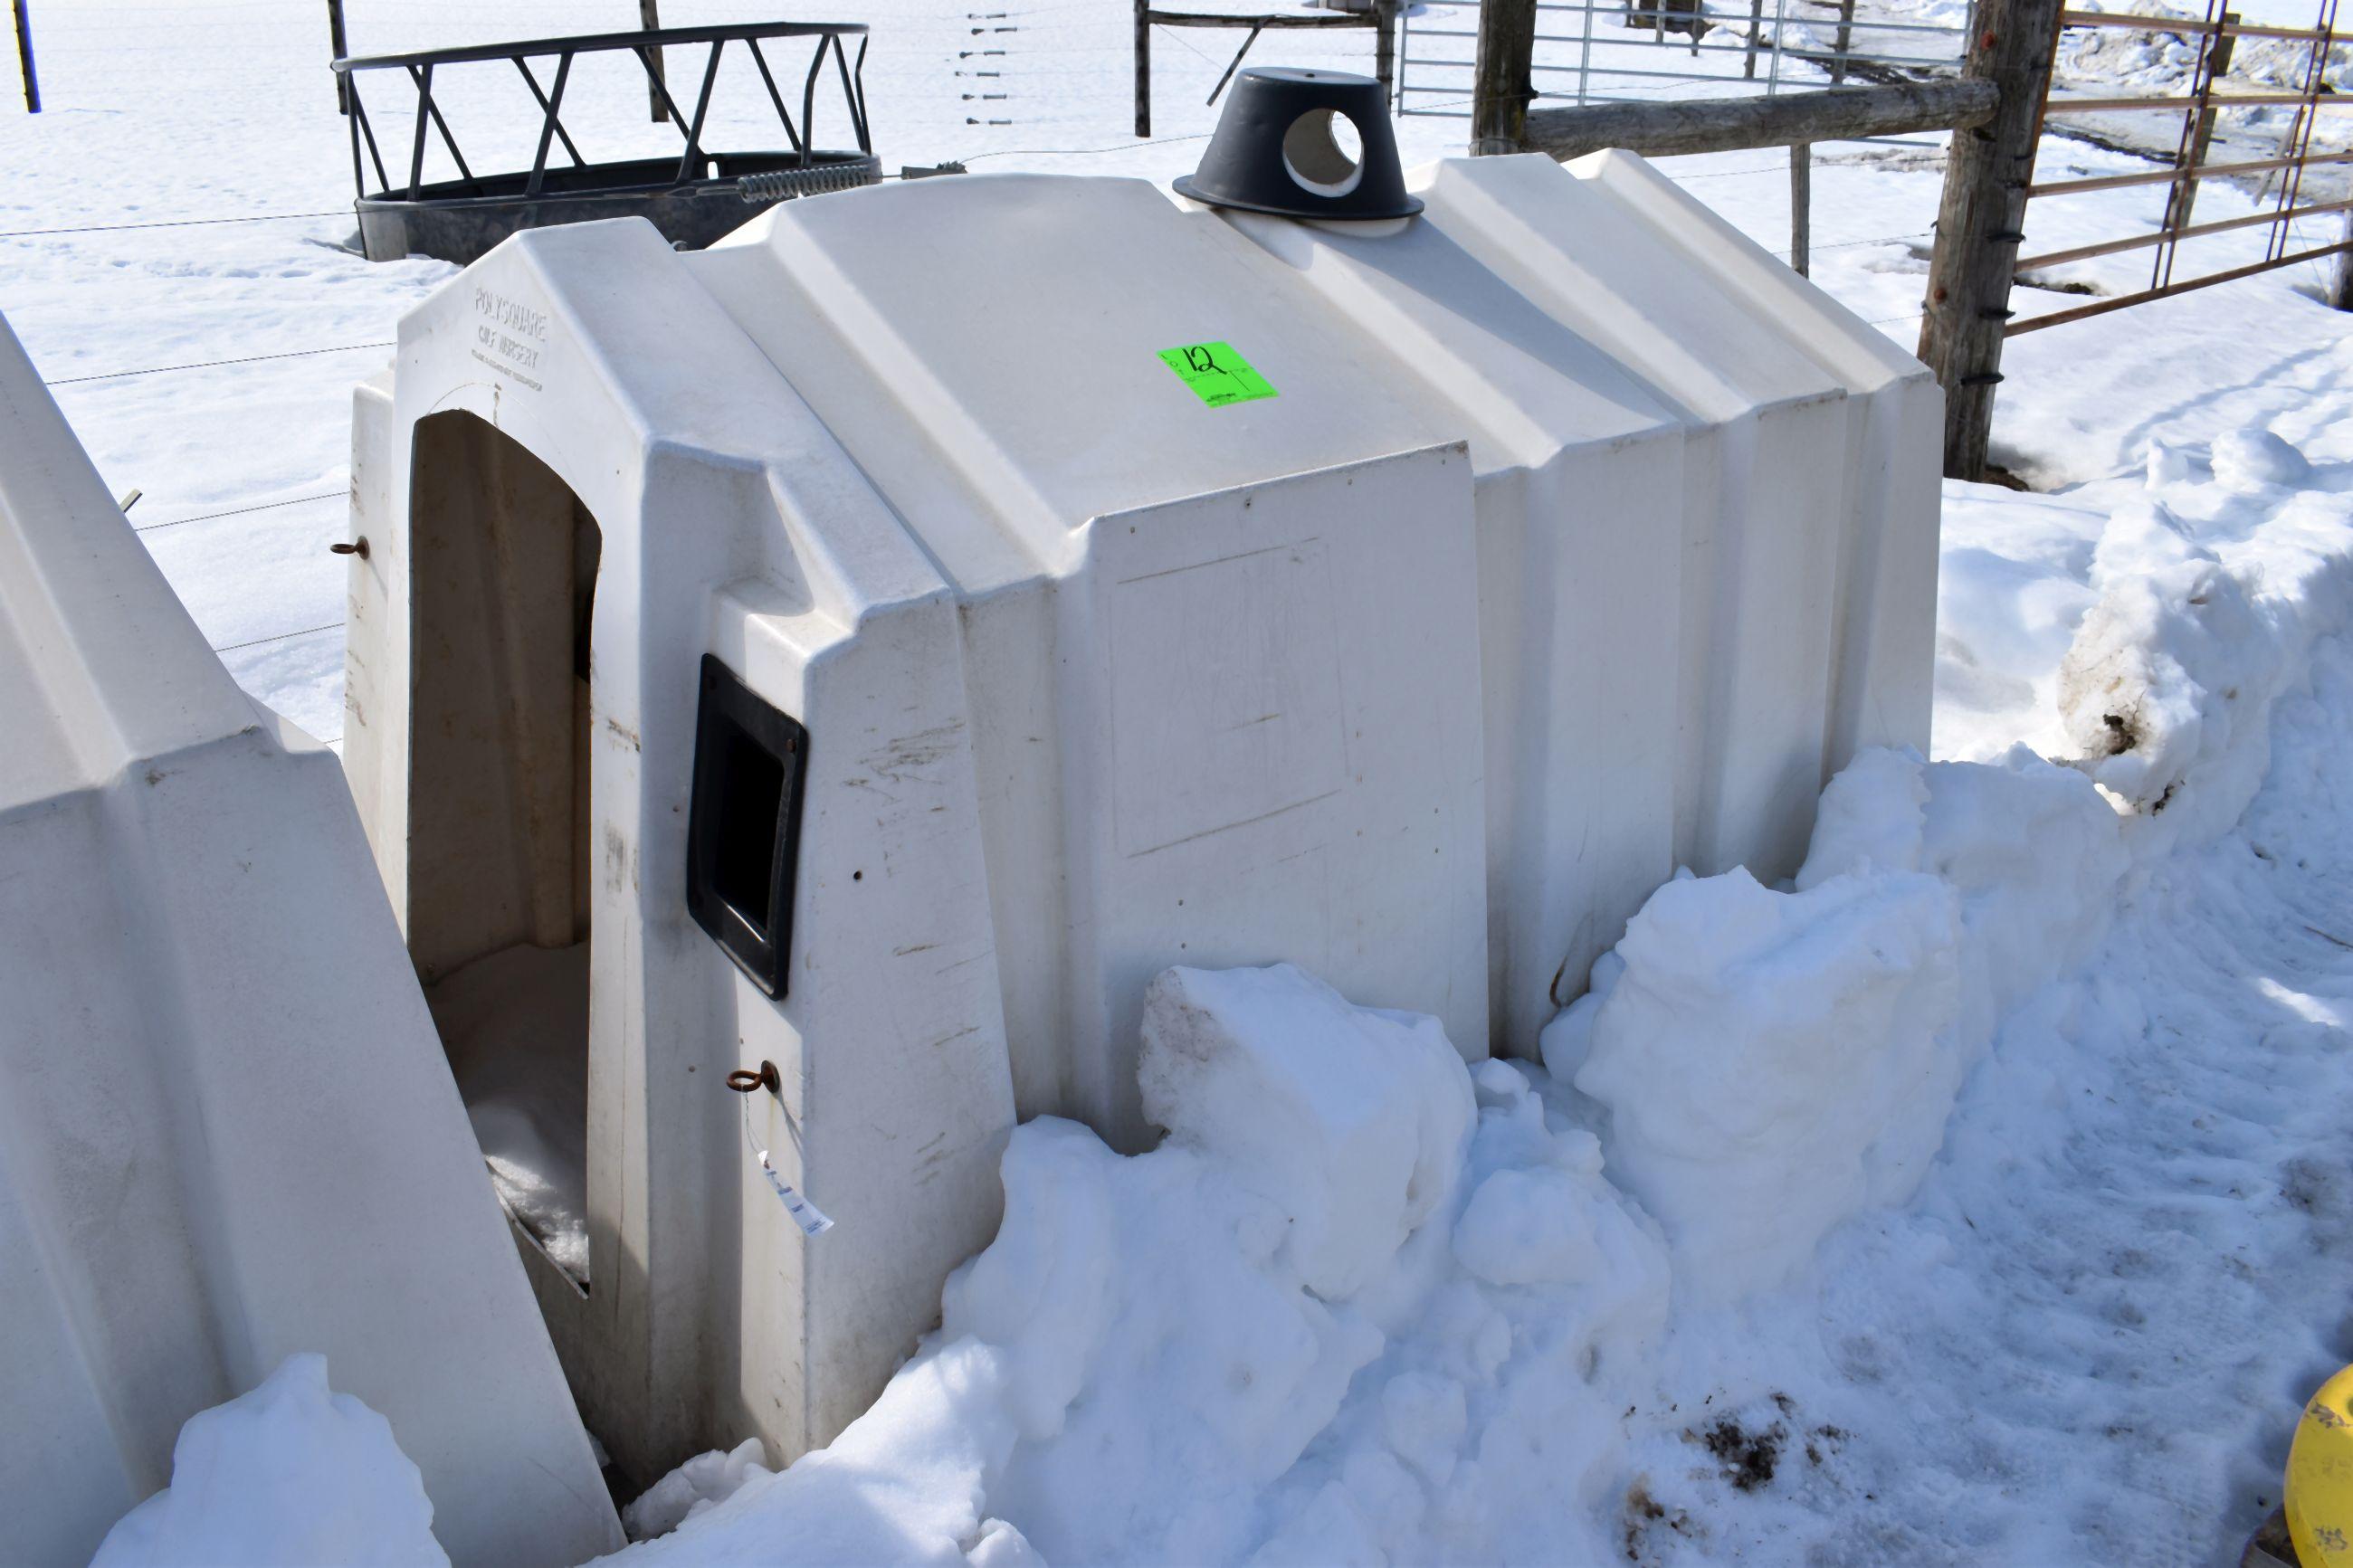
1217	374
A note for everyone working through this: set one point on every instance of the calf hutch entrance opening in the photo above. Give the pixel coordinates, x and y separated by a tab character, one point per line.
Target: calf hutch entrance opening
502	561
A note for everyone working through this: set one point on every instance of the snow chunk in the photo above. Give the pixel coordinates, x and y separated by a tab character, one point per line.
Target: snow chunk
1773	1062
1529	1228
2167	463
1352	1120
2210	603
1498	1082
291	1474
2249	459
903	1485
1424	1417
1870	817
701	1482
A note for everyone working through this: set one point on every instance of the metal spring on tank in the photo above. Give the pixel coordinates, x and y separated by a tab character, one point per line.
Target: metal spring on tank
783	184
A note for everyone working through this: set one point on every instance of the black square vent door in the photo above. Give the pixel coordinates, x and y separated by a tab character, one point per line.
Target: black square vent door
743	836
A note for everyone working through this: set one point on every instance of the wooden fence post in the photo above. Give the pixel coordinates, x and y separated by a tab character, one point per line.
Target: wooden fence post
1986	176
1384	22
24	56
337	50
650	18
1801	203
1142	67
1504	77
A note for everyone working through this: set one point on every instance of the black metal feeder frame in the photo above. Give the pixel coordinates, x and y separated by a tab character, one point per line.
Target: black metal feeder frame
693	201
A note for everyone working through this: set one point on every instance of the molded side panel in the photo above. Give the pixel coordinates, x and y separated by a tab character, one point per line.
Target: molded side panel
230	1134
1278	691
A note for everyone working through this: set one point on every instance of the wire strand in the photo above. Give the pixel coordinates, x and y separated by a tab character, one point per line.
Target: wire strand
240	510
213	364
281	637
171	223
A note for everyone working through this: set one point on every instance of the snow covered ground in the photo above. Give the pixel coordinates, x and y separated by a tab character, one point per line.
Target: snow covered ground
1979	1198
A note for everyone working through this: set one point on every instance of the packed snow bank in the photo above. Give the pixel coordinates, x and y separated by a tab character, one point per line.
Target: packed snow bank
1256	1338
1190	1313
291	1474
1775	1063
2212	589
2143	624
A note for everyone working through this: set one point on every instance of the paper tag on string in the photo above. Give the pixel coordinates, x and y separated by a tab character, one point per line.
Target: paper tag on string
804	1214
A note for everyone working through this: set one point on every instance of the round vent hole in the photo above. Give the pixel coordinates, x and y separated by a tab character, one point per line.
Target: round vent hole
1324	152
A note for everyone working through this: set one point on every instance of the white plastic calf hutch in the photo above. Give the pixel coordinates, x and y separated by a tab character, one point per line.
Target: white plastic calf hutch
888	638
226	1130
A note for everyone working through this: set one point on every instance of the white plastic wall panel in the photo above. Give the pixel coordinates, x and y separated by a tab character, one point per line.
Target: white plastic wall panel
226	1130
1884	608
1761	522
1274	750
370	639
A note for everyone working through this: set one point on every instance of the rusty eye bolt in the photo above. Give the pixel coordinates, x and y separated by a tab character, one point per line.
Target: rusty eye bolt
743	1081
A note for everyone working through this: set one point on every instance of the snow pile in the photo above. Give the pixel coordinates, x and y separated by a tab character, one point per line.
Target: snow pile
904	1485
2012	585
2212	589
1187	1313
1140	1368
1354	1127
702	1482
291	1474
1773	1063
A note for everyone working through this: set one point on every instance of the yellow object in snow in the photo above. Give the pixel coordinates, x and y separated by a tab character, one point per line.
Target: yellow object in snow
2319	1501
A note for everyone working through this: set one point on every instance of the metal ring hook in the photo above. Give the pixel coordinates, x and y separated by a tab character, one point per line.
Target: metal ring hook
743	1080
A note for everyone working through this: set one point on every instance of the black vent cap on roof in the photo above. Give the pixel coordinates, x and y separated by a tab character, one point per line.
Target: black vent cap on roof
1274	150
